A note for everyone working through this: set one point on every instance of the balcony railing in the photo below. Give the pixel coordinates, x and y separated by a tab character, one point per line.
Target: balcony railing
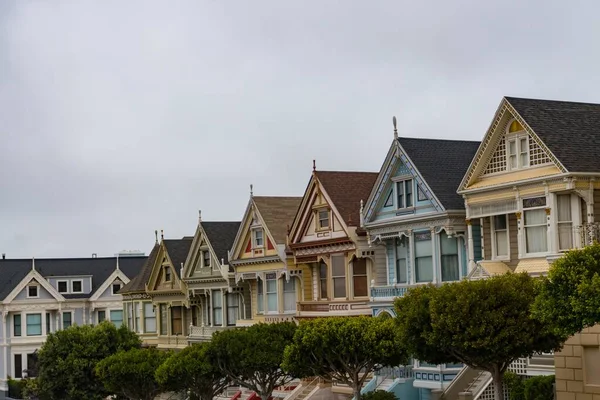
589	232
388	291
204	332
404	372
348	307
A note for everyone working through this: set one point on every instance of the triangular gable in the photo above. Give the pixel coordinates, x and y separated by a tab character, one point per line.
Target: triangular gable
200	243
397	163
33	275
304	226
487	269
157	276
491	157
117	274
242	245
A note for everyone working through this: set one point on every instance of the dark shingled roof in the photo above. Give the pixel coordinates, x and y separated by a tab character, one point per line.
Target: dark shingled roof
277	213
346	190
442	163
178	250
221	235
12	271
138	283
570	130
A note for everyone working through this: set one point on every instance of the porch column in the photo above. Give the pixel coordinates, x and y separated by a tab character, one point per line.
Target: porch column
551	222
224	307
470	246
202	310
434	255
520	243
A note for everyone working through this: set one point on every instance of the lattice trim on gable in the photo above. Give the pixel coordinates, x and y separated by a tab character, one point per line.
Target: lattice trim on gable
497	162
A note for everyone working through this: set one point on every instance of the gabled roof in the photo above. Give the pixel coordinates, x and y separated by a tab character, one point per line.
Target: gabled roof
570	130
277	213
442	164
346	190
12	271
221	235
178	250
138	283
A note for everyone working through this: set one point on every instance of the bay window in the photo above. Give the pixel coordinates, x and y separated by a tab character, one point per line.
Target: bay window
423	257
217	299
271	290
449	250
260	297
138	315
233	308
401	257
535	225
116	317
565	222
176	321
338	273
359	277
289	294
149	318
323	280
500	232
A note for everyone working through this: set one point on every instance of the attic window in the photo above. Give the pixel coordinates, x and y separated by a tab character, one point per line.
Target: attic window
32	291
115	288
515	126
323	222
63	286
76	287
167	274
206	258
258	238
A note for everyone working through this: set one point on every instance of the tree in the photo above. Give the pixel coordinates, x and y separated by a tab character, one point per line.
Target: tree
570	295
379	395
131	373
485	324
251	357
344	349
67	359
192	370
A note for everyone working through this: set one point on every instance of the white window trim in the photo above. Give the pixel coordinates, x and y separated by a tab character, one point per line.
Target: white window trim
266	294
58	282
106	317
493	238
403	179
203	251
574	211
254	245
318	226
37	291
516	137
24	323
525	254
62	319
77	280
112	287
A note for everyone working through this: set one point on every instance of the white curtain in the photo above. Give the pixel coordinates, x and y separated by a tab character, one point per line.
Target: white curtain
423	261
501	234
272	295
289	295
565	224
536	231
450	266
233	308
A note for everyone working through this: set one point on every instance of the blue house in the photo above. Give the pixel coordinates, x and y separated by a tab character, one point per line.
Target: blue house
416	214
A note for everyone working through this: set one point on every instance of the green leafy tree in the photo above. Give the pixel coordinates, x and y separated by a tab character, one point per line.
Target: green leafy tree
191	370
251	357
131	373
67	359
379	395
344	349
570	296
485	324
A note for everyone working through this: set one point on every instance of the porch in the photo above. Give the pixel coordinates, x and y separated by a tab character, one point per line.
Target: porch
332	308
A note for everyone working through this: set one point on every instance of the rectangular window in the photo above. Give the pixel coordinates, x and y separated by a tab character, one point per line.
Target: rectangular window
450	268
233	308
129	313
323	219
176	321
217	299
167	274
138	316
338	274
423	257
359	277
401	257
67	318
76	287
31	365
17	325
32	291
18	366
34	324
289	294
163	319
63	286
323	280
258	238
101	315
116	317
149	318
565	222
260	299
523	153
115	288
206	259
500	226
404	193
512	154
271	289
48	322
535	230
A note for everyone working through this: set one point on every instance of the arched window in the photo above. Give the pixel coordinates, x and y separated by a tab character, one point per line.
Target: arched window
515	126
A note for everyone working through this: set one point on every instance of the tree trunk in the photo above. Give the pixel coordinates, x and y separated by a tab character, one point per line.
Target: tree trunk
356	390
498	380
265	396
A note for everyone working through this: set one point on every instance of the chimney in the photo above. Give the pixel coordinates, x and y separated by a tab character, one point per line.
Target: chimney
94	255
4	256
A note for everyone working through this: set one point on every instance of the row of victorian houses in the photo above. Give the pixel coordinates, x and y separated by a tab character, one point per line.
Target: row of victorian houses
438	211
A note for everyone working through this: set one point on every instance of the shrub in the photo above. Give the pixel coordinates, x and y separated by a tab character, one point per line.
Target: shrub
15	388
379	395
539	388
514	384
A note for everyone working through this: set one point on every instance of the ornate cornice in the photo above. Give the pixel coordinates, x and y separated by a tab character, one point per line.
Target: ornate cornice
326	249
256	260
396	229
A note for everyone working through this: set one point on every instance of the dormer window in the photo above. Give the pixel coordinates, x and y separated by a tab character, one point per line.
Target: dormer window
323	219
116	287
404	193
206	259
167	274
77	287
32	291
63	286
258	238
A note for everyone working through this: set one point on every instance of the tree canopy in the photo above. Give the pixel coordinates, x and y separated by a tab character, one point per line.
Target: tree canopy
485	324
67	359
191	370
570	295
251	357
131	373
344	349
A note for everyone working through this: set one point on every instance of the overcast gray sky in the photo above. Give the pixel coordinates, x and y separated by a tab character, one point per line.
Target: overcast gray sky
121	117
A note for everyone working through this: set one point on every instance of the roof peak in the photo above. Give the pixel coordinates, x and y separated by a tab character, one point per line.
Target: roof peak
550	100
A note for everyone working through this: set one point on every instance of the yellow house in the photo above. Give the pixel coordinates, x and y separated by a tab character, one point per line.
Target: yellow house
259	258
531	193
326	239
168	292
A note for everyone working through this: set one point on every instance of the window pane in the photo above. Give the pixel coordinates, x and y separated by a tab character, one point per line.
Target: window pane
512	147
449	259
536	239
149	318
77	286
31	365
401	275
34	324
176	321
62	287
424	269
101	316
116	317
217	298
423	248
323	280
564	208
17	324
324	219
163	319
289	295
359	280
502	243
271	285
401	256
499	222
338	272
339	287
18	366
67	319
408	190
272	302
400	194
260	304
535	217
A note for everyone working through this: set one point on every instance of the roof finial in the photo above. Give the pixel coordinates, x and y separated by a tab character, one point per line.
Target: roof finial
395	128
117	262
362	209
162	235
199	216
251	190
33	263
156	236
314	165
